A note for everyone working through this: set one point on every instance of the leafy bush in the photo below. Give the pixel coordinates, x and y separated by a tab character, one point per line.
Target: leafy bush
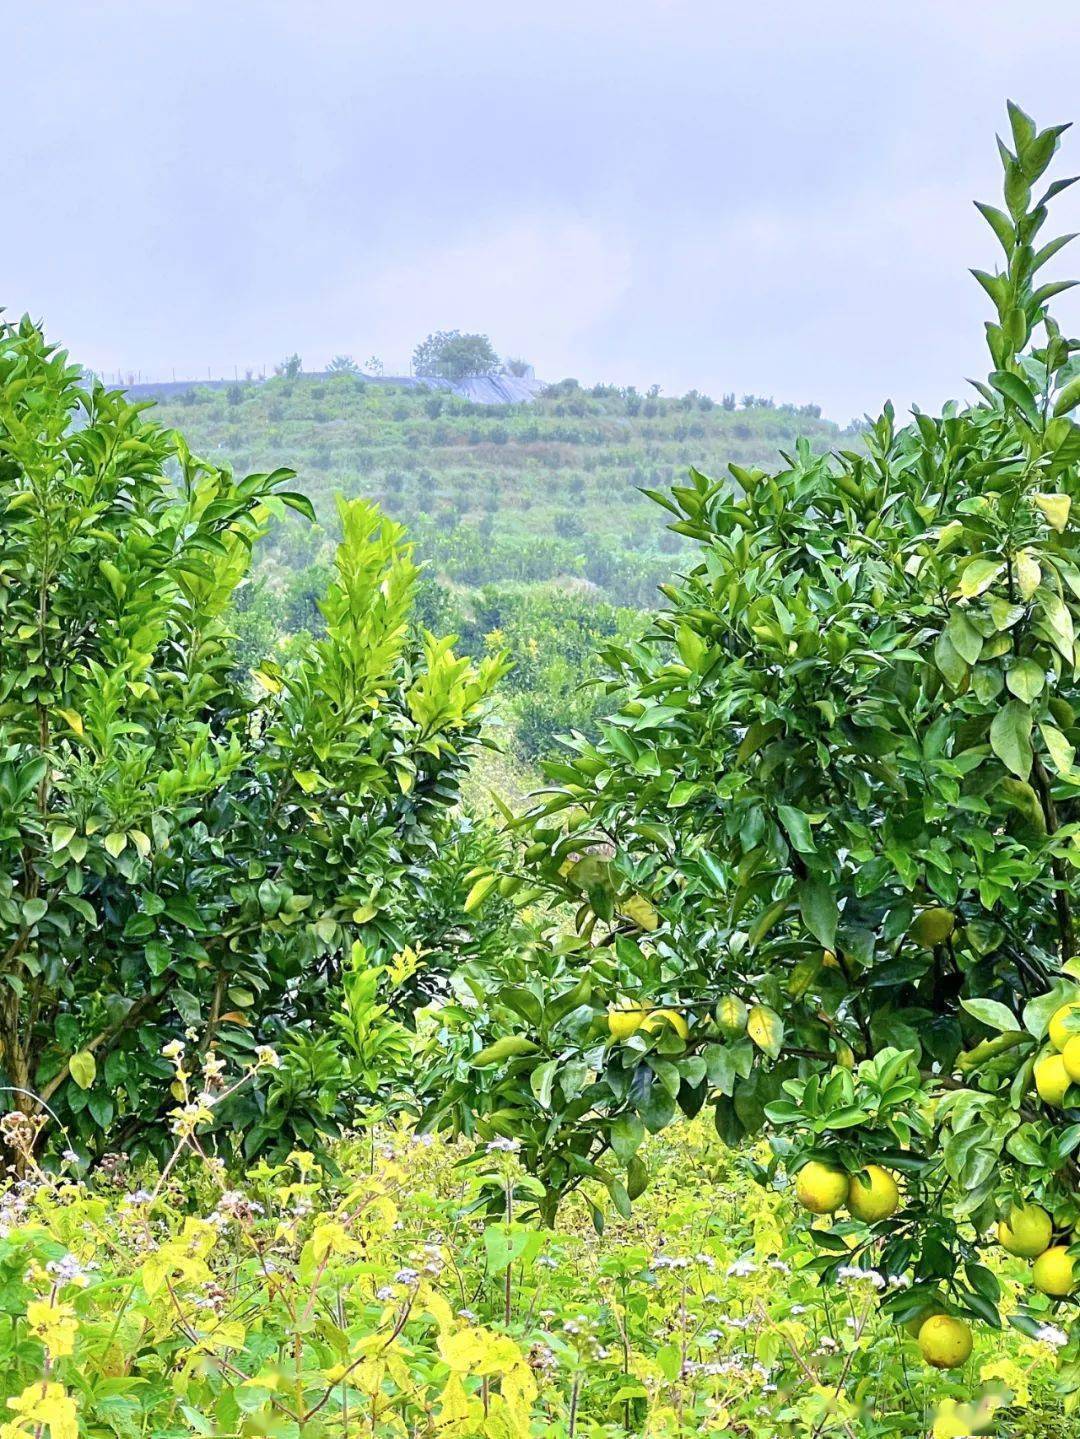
822	856
180	851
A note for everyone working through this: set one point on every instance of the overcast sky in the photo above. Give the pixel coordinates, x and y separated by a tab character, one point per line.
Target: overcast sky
771	197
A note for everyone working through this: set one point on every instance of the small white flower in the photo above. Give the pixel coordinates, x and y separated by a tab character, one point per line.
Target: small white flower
852	1273
742	1268
1051	1334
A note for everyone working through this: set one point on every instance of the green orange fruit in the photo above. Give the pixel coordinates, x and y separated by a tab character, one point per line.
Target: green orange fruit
945	1342
1054	1272
1051	1079
1064	1023
1026	1231
872	1194
821	1188
625	1020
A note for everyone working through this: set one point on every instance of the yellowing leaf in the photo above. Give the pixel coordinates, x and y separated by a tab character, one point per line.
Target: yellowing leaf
116	843
643	914
228	1334
309	780
766	1029
83	1068
1028	573
1060	750
1059	623
74	721
479	892
1055	508
1026	680
404	778
1010	738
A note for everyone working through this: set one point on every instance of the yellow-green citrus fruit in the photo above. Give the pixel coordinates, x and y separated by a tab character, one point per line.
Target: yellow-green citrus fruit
1071	1057
1052	1272
933	926
731	1016
820	1188
873	1200
625	1020
1063	712
1063	1025
1025	1231
1051	1079
660	1017
945	1342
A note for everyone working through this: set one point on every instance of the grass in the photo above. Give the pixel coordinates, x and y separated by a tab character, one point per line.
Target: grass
386	1301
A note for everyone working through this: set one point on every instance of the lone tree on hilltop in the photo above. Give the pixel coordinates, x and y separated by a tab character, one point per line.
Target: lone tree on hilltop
451	355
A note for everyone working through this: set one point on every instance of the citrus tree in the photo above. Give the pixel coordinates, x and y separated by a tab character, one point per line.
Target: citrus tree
822	858
187	849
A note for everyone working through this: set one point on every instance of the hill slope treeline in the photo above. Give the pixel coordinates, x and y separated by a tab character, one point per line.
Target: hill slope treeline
530	517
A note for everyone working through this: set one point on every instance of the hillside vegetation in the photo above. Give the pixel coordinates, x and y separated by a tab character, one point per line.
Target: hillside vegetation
530	517
517	493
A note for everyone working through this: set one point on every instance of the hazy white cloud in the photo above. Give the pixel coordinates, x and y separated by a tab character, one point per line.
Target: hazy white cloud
771	198
538	285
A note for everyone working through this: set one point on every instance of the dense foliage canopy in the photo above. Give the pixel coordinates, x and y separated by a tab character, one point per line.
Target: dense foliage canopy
450	355
824	852
184	847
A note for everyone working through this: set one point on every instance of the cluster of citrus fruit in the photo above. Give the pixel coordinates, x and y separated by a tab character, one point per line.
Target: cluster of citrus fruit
872	1195
731	1017
627	1019
1028	1231
1060	1065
